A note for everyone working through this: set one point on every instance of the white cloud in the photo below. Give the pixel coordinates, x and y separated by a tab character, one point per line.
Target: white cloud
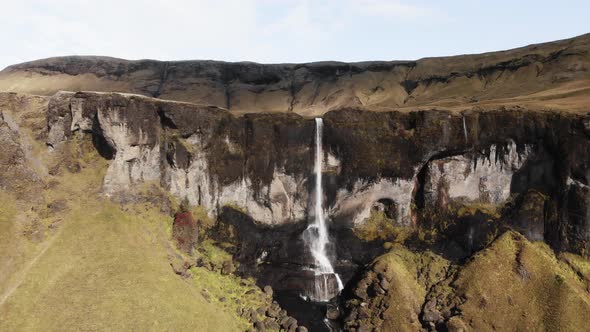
390	8
232	30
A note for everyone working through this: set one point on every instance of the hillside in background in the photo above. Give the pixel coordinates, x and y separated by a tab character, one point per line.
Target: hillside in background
552	75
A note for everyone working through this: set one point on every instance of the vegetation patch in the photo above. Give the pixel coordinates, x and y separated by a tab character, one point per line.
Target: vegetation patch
379	227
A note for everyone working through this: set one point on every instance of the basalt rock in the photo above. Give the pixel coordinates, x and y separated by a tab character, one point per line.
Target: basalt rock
200	153
412	162
529	216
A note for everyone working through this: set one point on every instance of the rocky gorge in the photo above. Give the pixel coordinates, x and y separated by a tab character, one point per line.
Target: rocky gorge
436	177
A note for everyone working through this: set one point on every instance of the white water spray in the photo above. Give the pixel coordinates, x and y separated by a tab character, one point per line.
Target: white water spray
316	234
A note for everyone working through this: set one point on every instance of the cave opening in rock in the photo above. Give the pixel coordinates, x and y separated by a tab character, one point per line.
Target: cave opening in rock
386	206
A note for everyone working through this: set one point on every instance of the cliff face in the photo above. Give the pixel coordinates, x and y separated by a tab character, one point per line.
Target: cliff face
554	74
408	163
451	182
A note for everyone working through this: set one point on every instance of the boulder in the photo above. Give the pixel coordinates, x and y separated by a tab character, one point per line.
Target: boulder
268	290
259	326
272	325
332	313
227	267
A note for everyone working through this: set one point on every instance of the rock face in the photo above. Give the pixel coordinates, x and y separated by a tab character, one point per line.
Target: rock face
255	174
412	162
476	178
16	164
181	145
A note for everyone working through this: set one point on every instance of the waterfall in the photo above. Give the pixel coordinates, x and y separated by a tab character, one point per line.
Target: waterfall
465	128
327	283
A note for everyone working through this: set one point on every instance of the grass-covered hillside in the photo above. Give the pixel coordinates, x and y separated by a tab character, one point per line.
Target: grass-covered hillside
73	260
512	285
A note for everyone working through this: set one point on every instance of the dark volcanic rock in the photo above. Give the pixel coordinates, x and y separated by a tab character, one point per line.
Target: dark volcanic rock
411	163
264	161
529	217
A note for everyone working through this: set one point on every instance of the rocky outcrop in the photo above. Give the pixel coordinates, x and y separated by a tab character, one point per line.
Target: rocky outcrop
17	173
356	204
389	294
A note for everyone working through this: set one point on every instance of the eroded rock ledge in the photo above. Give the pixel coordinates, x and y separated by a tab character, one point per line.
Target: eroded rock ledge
405	163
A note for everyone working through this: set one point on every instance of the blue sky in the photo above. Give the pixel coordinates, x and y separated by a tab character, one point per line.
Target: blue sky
274	31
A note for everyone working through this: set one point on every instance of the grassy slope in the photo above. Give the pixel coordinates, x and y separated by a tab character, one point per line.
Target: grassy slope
518	285
513	285
409	285
409	276
104	267
107	269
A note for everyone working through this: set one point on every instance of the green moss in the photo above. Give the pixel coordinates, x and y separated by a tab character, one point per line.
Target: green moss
228	292
511	284
579	264
521	285
473	208
201	214
120	258
379	226
411	275
427	267
236	207
213	253
7	213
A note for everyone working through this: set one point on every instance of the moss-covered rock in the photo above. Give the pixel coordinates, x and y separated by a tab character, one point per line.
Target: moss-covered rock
390	294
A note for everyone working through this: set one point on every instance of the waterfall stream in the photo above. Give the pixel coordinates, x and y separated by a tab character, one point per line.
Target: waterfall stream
465	129
327	283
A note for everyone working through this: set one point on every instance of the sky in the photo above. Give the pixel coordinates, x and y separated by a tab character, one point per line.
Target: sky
279	31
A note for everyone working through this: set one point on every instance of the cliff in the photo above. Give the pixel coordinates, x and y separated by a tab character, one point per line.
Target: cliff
410	161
